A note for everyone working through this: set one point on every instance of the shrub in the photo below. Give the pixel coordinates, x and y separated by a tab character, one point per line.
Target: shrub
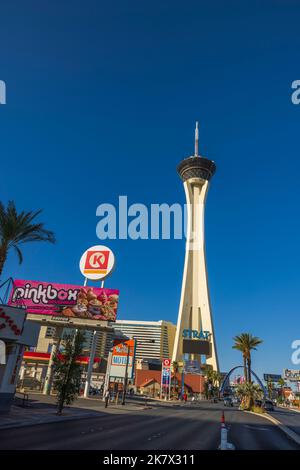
257	409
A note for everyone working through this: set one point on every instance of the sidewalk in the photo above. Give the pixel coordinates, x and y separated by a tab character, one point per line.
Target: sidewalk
41	409
41	413
290	408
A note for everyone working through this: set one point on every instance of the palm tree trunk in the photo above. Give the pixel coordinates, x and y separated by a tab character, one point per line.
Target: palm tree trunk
3	256
245	370
249	369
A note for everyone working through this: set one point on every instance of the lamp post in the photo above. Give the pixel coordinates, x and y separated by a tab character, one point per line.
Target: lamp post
126	375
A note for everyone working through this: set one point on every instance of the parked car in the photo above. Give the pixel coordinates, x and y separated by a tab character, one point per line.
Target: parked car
265	404
268	405
94	391
228	401
236	401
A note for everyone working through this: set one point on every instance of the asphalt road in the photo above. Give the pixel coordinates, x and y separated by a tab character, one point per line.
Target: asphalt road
288	417
183	427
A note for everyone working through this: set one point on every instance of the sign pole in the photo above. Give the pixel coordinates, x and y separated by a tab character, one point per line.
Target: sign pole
182	381
126	375
90	366
107	375
54	350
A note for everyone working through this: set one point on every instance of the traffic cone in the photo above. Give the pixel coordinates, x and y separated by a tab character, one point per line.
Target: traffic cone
223	443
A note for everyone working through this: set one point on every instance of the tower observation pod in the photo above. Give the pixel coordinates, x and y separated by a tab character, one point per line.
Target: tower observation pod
195	337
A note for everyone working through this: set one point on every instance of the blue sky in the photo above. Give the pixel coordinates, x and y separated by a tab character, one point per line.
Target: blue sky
102	98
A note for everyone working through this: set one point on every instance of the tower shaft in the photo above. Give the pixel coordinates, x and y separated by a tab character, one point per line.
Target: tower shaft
195	308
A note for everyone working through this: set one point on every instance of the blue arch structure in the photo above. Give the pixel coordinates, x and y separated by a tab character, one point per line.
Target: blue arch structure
253	373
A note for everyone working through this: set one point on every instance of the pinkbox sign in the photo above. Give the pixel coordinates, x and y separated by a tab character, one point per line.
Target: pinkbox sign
65	300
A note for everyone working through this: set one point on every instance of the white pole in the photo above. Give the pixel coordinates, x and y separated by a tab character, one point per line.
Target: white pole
90	366
107	375
196	139
54	349
85	281
102	284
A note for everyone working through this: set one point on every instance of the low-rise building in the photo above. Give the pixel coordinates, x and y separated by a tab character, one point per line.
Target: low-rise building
147	382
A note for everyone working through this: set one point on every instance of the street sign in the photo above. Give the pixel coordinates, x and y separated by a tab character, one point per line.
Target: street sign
166	362
192	367
291	375
97	262
166	377
272	377
123	356
165	385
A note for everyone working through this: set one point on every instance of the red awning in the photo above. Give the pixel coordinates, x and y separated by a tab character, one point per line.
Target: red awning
41	356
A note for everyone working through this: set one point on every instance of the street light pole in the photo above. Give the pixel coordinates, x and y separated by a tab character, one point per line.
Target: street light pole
126	375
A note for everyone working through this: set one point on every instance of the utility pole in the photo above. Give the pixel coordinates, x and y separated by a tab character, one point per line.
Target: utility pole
126	375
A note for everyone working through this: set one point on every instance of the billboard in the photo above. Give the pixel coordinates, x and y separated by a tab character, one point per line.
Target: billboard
123	353
65	300
192	367
272	377
292	375
192	346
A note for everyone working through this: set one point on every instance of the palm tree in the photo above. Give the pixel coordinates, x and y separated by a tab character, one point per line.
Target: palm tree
216	378
246	342
249	392
239	344
210	379
175	367
175	370
270	387
19	228
281	383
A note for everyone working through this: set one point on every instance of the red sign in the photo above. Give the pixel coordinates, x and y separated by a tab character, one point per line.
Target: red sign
96	262
166	362
11	321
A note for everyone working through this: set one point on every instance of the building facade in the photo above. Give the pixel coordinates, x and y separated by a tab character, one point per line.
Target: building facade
154	339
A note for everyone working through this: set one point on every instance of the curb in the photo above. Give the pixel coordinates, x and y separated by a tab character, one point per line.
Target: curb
291	434
289	409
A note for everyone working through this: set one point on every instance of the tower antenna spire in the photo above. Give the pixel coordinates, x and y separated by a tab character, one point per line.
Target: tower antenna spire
196	139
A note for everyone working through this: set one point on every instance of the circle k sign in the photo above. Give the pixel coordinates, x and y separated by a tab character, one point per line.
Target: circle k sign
97	262
166	362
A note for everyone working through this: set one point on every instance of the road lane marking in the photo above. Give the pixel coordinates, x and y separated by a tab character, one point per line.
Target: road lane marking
155	436
256	428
